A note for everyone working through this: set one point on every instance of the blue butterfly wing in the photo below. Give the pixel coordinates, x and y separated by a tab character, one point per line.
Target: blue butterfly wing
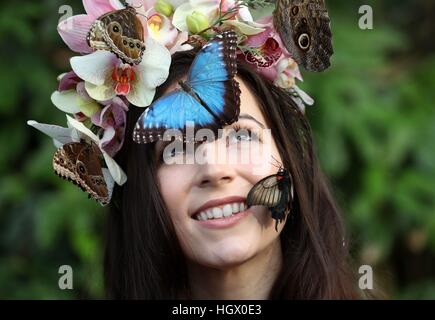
211	77
171	111
209	65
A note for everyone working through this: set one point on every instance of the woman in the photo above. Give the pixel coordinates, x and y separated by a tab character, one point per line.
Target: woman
159	246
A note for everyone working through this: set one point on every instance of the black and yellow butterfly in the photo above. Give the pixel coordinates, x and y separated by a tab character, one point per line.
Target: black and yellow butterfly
274	192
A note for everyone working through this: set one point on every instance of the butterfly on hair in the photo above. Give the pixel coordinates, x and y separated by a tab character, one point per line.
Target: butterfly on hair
120	32
209	98
80	163
274	192
304	28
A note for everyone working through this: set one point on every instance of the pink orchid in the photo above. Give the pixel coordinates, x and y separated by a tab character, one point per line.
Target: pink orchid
112	118
110	115
106	76
209	8
160	28
270	57
68	81
72	97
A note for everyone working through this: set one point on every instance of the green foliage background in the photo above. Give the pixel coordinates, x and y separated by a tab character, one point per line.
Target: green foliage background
373	122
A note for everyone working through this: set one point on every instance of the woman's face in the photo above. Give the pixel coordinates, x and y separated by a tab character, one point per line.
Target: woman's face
206	200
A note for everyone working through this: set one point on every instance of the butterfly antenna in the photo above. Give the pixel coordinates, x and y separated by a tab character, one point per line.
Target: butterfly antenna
277	164
140	14
127	4
274	164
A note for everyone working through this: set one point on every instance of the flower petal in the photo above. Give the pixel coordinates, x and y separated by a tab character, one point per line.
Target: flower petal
66	101
95	67
96	8
179	43
154	68
304	96
109	181
244	14
164	32
102	92
68	81
110	142
79	126
140	95
244	27
74	31
207	8
115	170
89	107
179	17
113	115
266	20
108	135
259	39
176	3
152	72
59	134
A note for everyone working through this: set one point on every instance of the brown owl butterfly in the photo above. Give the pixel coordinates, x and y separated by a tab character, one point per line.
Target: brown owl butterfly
121	32
304	27
80	163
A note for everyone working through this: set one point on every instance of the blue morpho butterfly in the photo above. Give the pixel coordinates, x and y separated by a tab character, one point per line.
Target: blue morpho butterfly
210	98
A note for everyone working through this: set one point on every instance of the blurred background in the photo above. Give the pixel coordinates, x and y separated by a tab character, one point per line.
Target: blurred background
374	126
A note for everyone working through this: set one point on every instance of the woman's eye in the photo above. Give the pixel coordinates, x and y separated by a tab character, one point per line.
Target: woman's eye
243	136
171	153
175	153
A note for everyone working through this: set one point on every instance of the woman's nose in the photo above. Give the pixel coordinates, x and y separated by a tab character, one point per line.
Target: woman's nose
214	169
212	175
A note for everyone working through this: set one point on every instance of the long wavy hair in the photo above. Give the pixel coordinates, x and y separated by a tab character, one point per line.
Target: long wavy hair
143	258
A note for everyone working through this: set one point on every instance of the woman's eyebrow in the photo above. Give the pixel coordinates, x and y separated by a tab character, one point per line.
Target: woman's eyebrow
249	117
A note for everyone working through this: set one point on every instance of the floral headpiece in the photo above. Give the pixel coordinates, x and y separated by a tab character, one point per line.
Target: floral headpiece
125	53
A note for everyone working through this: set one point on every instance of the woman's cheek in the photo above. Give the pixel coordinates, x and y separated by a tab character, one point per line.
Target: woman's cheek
174	184
259	167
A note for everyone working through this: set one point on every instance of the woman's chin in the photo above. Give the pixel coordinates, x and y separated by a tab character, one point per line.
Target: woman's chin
225	255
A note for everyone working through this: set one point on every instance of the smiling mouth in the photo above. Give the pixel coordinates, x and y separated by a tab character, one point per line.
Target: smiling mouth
222	211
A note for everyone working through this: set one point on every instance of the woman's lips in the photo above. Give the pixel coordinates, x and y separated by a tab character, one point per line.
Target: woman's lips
224	222
219	202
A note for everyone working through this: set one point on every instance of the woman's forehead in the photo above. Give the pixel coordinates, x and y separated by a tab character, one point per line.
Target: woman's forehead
249	104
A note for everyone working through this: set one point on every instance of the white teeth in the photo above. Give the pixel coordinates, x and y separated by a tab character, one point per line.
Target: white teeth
220	212
242	206
204	216
235	207
227	210
209	214
217	213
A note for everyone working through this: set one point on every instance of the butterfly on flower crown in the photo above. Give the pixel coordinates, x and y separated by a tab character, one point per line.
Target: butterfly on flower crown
80	163
210	98
305	29
121	32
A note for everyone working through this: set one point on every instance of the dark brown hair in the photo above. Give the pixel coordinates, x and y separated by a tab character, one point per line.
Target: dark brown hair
143	258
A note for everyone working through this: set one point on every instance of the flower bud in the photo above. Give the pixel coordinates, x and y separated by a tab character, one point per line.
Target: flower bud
164	8
197	22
